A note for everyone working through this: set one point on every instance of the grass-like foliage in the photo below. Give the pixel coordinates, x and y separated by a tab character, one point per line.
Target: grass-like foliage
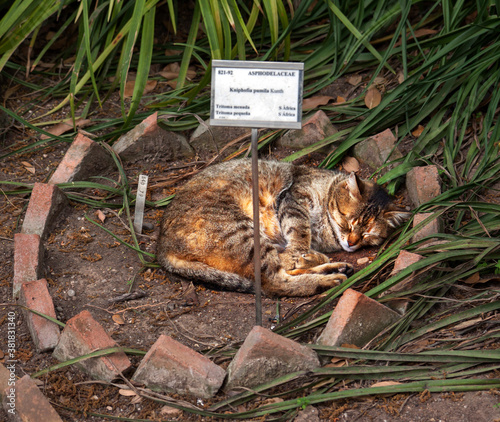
441	64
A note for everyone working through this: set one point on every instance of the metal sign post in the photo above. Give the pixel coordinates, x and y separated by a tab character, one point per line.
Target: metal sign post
256	95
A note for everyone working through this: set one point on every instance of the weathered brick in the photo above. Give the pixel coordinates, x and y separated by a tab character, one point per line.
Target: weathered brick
35	295
314	129
45	204
82	335
378	149
423	184
404	260
264	356
173	367
28	260
431	228
29	404
5	379
149	139
356	319
84	158
211	139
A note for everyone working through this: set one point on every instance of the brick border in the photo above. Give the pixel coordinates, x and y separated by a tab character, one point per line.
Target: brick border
46	202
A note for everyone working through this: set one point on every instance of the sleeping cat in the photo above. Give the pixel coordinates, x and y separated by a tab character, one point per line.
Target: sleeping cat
207	231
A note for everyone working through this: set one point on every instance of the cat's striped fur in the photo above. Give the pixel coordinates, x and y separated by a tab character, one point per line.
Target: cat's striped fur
207	231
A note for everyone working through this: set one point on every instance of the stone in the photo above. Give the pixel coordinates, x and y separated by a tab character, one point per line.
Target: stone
423	184
378	150
83	159
29	404
356	320
83	335
430	229
265	356
173	367
314	129
35	295
28	260
309	414
211	139
403	261
46	202
148	139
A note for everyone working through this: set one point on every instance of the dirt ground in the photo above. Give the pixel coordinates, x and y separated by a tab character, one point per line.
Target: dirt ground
86	269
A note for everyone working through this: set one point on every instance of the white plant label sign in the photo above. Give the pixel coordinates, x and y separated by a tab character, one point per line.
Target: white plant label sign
257	94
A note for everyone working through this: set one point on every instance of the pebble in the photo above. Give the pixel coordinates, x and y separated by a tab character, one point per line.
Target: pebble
71	293
59	309
148	226
363	261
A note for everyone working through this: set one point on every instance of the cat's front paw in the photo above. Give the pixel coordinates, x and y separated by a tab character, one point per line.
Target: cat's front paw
295	260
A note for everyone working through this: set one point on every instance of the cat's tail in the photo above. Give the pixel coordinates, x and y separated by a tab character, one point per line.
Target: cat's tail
199	271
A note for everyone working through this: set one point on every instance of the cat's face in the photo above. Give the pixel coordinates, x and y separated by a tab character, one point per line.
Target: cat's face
363	214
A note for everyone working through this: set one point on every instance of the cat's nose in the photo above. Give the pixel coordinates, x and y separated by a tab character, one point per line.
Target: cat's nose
352	240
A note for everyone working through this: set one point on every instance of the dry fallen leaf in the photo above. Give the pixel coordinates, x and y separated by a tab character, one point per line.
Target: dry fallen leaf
418	131
373	98
126	393
150	86
129	89
385	383
350	164
467	324
316	101
340	100
101	216
118	319
28	166
355	80
64	127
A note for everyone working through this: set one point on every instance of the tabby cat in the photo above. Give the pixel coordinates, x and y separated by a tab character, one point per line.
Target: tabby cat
207	231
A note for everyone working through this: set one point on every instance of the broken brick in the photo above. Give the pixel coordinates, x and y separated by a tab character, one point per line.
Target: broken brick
84	158
423	184
430	229
35	295
24	402
173	367
264	356
356	320
149	139
377	150
314	129
83	335
45	204
403	261
28	259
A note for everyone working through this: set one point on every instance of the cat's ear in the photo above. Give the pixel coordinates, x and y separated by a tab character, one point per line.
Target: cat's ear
353	187
395	217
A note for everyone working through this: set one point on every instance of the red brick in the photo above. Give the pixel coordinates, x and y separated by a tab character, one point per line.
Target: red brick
83	335
45	204
378	149
403	261
84	158
423	184
170	366
30	404
356	319
264	356
149	139
430	229
5	379
314	129
28	260
35	295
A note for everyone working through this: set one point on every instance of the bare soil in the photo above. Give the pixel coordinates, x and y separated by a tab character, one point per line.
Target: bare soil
87	268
